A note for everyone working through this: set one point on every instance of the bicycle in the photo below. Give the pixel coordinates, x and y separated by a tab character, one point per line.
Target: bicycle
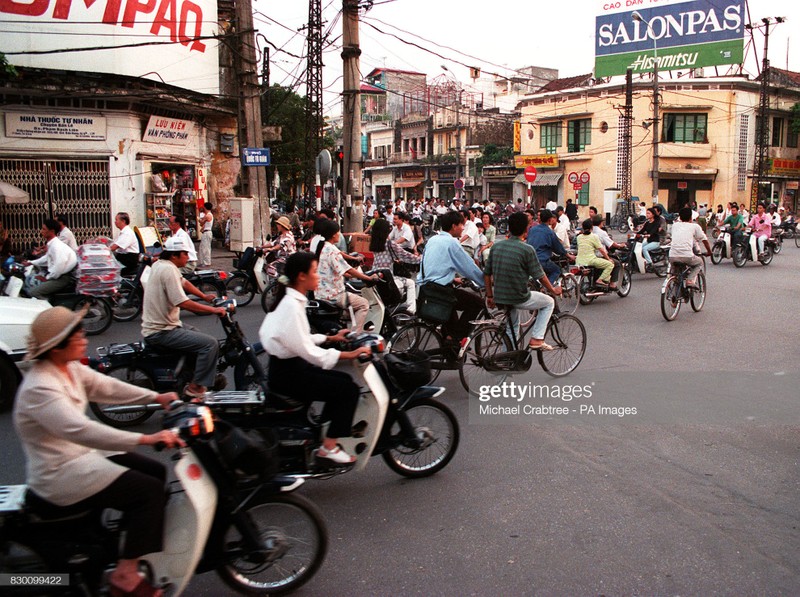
493	351
675	291
570	285
428	337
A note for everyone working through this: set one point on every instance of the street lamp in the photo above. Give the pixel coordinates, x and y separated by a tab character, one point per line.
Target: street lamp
638	17
458	125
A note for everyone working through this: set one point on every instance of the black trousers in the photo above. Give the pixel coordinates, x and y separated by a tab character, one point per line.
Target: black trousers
307	383
469	304
138	493
129	261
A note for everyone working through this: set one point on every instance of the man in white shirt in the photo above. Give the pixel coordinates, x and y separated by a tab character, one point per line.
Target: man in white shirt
126	247
206	223
401	233
176	226
562	227
65	235
59	260
470	238
684	235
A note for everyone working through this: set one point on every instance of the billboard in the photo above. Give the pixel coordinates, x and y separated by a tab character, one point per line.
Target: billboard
163	40
684	35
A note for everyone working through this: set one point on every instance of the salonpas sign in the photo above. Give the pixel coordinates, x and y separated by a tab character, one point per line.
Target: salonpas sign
682	35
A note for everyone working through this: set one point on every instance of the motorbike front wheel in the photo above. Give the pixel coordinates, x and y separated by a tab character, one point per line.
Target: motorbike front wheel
778	244
125	415
269	295
128	302
241	288
766	257
293	541
624	283
434	444
739	254
716	253
244	374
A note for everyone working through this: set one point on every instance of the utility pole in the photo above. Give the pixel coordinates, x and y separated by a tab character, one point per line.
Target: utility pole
351	96
627	145
636	16
762	130
254	178
313	141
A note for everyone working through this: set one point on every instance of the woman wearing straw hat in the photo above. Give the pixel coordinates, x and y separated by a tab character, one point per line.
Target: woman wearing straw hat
285	242
75	461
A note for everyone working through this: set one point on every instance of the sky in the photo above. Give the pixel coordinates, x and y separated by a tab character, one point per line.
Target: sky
504	35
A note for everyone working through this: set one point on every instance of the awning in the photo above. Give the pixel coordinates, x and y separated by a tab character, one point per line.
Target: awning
546	179
407	184
11	194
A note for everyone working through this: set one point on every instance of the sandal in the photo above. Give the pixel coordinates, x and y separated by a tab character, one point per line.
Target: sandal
336	455
543	346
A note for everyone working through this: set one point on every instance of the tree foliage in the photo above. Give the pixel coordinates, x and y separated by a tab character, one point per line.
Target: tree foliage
7	69
794	121
494	155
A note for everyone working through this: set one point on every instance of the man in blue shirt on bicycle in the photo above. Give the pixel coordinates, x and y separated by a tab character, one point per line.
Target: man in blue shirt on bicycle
546	243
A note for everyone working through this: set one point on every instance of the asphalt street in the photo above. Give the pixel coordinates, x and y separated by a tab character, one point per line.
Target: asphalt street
697	494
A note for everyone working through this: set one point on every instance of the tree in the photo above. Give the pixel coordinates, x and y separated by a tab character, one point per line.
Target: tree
492	154
794	121
7	69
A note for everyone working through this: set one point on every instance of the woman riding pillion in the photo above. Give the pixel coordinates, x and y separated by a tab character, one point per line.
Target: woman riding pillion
75	461
588	245
298	367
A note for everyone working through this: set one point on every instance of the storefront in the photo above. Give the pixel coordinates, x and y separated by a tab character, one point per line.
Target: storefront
443	183
409	184
498	183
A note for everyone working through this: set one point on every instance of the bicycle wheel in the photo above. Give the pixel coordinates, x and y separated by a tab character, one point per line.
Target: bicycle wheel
420	336
125	415
670	298
128	303
293	541
241	288
566	334
269	295
484	343
570	294
434	443
698	297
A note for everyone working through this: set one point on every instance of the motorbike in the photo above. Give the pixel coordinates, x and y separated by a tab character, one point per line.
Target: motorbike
97	319
397	417
722	247
164	370
227	511
387	307
590	290
637	262
128	301
747	250
256	271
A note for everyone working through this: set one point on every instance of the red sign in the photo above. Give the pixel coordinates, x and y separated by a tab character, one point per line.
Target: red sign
572	177
682	186
577	186
458	183
530	173
584	177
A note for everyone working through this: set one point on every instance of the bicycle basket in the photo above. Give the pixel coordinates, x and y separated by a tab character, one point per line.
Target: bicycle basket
410	369
247	453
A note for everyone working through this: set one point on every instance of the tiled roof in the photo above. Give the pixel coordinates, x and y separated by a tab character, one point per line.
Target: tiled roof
567	83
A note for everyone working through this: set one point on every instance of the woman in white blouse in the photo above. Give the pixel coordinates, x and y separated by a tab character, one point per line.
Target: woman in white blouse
299	368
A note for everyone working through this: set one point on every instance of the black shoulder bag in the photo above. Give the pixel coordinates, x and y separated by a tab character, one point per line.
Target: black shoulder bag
435	302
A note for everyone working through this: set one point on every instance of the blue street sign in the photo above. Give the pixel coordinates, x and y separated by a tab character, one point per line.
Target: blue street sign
255	156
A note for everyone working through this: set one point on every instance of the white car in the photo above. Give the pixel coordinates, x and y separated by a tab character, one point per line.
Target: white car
16	316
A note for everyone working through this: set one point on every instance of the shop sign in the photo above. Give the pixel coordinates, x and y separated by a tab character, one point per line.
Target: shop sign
172	131
413	174
545	160
200	186
55	126
792	185
783	166
497	172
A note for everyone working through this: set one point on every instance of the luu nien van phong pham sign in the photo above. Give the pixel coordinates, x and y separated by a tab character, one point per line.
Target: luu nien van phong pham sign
171	131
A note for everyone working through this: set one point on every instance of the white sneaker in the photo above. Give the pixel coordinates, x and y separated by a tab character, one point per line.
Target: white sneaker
336	455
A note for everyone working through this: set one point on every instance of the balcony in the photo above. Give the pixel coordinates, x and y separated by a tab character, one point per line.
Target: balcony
407	157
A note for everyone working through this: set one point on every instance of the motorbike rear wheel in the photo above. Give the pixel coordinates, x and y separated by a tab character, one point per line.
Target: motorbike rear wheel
128	302
583	289
661	267
294	541
778	244
18	558
128	415
240	287
434	444
670	299
99	317
766	257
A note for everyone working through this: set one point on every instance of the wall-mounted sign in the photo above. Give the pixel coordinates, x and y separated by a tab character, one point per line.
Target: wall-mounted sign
545	160
172	131
256	156
783	166
55	126
494	172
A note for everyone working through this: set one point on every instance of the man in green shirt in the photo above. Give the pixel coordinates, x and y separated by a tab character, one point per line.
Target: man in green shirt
736	223
511	263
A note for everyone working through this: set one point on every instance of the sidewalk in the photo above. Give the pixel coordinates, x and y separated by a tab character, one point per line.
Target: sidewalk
222	259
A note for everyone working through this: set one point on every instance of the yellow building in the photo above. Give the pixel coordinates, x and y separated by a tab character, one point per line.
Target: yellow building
706	143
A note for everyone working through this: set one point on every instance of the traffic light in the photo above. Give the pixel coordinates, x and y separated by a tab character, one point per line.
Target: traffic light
339	154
